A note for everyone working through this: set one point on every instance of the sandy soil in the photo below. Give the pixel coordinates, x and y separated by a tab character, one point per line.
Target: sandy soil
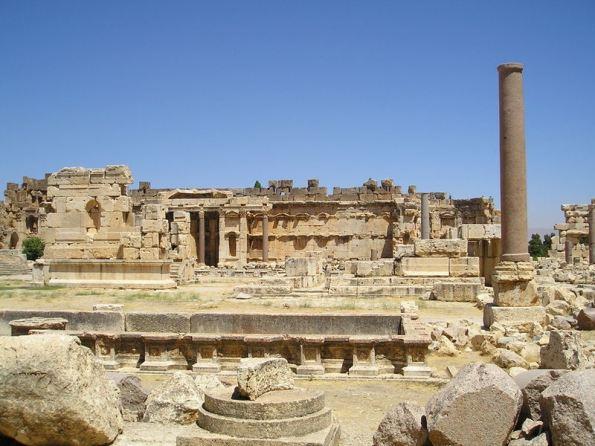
217	296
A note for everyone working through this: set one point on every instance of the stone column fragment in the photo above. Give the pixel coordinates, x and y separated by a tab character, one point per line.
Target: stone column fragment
513	180
425	216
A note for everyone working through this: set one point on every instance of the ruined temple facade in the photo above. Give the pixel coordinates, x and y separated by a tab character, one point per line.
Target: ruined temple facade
93	214
572	241
20	212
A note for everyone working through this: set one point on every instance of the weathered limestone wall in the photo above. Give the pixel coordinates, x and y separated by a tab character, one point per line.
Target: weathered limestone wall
21	211
88	214
91	215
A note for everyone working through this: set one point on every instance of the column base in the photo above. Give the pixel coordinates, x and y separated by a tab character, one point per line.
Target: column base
514	286
513	315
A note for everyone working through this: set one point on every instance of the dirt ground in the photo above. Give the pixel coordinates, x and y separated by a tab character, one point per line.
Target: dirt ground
215	296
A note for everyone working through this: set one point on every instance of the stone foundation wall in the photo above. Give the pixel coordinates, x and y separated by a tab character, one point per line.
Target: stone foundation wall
369	344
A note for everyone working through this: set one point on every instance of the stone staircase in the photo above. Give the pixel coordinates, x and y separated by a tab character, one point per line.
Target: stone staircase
12	262
174	271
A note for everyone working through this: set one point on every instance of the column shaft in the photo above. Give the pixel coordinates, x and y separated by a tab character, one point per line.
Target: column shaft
201	237
513	180
265	238
425	216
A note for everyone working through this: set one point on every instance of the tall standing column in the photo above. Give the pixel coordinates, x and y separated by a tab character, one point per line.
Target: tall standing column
512	279
201	237
265	238
425	216
592	232
513	179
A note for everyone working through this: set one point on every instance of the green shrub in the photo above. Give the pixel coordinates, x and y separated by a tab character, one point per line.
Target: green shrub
33	248
257	185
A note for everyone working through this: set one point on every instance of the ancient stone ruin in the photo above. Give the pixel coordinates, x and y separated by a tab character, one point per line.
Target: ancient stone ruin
502	343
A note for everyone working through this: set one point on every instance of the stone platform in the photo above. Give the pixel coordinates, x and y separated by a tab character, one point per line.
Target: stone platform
294	417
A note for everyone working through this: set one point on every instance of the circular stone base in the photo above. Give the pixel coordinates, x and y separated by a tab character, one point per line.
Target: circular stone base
276	405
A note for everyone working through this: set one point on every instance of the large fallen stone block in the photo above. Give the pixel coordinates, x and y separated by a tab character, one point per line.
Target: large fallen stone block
258	376
53	391
568	408
479	406
532	383
402	426
175	401
564	351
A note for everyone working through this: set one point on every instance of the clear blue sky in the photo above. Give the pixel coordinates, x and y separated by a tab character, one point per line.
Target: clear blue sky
222	93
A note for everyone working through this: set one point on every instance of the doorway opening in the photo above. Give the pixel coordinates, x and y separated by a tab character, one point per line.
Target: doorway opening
212	238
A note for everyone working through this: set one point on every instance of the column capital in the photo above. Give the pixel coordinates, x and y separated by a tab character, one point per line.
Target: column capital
511	67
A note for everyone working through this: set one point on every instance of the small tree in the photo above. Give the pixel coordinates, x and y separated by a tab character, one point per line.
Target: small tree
536	247
33	248
547	242
257	185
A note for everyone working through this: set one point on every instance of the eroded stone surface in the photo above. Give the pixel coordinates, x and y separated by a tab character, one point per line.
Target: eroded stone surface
177	400
564	351
532	383
53	391
132	395
258	376
401	426
479	406
568	408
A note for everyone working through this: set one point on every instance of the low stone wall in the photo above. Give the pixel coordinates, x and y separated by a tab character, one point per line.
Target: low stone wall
107	321
361	345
